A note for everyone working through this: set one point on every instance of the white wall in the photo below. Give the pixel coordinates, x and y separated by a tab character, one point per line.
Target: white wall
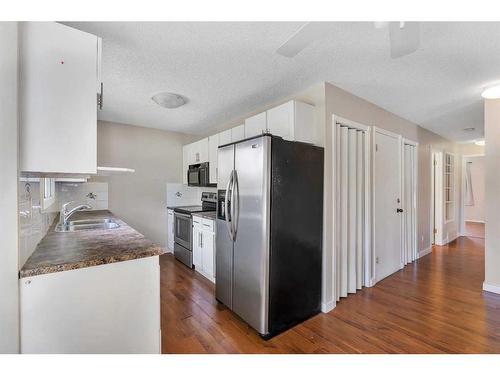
156	155
476	212
9	300
492	196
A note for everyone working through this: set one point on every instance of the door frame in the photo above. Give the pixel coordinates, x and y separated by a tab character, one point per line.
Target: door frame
437	208
406	141
400	147
368	263
461	224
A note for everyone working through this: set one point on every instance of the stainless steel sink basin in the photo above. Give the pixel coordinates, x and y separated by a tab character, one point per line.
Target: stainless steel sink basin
76	225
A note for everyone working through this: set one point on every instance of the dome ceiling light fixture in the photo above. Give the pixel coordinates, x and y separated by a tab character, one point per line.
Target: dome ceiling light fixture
491	93
169	100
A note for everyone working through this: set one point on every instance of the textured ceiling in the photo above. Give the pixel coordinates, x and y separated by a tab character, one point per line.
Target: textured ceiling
229	69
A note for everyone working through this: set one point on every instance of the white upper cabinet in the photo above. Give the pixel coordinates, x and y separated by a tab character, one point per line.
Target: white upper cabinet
196	153
201	152
225	137
293	120
59	84
185	163
256	125
213	144
238	133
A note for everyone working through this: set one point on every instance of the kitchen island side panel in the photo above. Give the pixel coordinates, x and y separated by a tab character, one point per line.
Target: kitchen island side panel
110	308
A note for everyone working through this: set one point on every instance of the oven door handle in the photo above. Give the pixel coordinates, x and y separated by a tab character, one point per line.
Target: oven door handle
226	207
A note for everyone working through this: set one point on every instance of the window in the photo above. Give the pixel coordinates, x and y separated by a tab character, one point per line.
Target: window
449	187
47	192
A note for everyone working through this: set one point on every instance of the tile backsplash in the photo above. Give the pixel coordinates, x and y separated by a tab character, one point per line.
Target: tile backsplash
95	194
183	195
34	224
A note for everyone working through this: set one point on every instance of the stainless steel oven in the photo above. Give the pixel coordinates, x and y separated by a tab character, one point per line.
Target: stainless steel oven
183	227
183	224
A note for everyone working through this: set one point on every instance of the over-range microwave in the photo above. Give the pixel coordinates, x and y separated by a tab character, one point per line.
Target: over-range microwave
198	175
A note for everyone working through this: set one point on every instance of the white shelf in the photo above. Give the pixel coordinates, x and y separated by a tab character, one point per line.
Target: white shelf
111	171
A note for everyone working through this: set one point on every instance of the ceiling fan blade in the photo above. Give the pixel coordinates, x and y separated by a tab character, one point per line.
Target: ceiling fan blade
404	37
305	35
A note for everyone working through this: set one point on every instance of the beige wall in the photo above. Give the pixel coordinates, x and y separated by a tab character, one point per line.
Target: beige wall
9	292
348	106
156	155
492	187
470	149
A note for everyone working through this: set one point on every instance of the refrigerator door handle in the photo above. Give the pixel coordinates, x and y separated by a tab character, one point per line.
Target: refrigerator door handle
226	207
235	198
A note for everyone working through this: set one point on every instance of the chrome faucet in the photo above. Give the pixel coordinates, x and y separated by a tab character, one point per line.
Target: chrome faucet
65	215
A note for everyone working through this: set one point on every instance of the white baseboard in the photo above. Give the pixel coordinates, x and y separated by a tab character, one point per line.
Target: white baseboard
424	252
328	306
491	288
475	221
447	240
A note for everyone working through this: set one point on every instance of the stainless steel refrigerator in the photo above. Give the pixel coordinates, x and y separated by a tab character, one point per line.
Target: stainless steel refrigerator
269	231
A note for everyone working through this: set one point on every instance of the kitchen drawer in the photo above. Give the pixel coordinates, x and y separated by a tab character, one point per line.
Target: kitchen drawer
197	220
208	224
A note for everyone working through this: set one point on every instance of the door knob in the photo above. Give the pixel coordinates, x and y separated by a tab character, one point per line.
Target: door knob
399	210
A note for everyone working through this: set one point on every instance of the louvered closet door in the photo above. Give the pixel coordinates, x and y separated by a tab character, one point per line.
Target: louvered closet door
350	210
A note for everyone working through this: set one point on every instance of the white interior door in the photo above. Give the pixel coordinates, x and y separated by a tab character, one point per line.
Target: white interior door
387	203
409	202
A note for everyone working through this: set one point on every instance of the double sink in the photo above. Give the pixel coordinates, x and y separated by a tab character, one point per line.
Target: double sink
90	224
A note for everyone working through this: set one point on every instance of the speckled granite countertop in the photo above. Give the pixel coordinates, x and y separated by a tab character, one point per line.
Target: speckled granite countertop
86	248
206	214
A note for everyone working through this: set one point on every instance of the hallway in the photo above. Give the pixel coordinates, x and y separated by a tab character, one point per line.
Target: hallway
473	229
435	305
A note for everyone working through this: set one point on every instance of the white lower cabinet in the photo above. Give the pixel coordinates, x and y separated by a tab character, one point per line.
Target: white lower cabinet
204	247
170	230
111	308
208	253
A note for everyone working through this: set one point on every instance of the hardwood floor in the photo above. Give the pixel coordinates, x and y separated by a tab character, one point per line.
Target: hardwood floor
473	229
435	305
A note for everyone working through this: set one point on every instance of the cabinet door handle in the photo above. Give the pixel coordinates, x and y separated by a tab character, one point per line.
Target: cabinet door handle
201	238
100	97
